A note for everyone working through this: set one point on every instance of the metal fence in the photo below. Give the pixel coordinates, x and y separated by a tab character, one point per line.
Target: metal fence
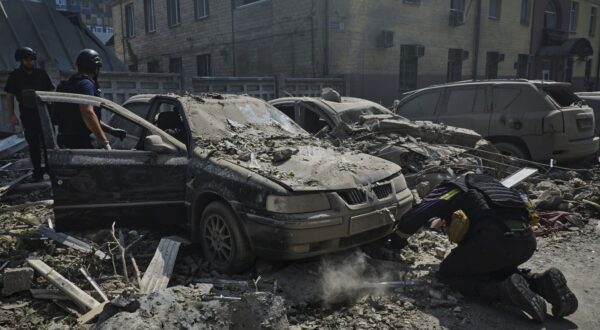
119	86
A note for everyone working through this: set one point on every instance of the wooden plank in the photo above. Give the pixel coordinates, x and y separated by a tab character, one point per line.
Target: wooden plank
71	290
92	314
48	294
159	271
93	283
70	241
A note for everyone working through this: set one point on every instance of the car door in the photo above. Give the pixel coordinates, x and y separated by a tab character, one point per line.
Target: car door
423	106
97	187
517	110
466	107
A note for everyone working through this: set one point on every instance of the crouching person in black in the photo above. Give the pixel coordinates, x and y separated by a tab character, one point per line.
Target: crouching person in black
491	225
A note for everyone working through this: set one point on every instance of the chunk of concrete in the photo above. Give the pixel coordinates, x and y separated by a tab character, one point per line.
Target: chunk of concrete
16	280
259	310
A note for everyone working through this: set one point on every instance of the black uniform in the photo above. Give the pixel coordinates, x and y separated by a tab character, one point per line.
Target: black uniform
18	81
498	239
72	131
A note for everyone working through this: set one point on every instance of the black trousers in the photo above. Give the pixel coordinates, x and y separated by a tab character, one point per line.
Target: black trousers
33	135
478	265
74	141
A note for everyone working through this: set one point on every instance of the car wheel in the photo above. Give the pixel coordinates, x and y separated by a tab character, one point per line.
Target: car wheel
224	245
509	149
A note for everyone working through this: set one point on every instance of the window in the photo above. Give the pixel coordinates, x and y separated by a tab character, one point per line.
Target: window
504	97
460	101
287	109
62	3
201	8
522	65
85	3
420	106
133	67
495	8
173	12
545	74
458	6
525	12
175	65
593	18
239	3
129	21
550	20
149	16
154	66
311	121
573	17
134	131
408	67
455	59
491	65
203	63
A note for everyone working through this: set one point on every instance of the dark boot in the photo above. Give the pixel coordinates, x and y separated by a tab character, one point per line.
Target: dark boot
552	285
515	291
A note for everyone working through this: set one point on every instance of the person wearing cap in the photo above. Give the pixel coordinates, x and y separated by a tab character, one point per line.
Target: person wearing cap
490	224
28	77
77	122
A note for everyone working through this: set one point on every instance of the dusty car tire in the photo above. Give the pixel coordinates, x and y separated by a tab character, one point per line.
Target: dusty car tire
223	243
512	150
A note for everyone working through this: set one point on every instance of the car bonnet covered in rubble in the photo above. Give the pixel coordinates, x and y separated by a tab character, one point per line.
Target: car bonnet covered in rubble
256	136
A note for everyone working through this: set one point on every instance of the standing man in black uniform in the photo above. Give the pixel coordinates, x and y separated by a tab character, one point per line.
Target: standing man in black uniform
27	76
76	122
490	223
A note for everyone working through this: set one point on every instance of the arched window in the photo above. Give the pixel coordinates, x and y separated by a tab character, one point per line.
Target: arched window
550	16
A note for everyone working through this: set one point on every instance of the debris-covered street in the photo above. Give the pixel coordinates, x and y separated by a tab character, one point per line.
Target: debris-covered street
369	287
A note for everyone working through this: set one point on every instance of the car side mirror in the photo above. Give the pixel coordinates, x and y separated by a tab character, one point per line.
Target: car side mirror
156	144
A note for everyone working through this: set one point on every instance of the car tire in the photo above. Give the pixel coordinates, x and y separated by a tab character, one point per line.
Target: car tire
224	245
510	149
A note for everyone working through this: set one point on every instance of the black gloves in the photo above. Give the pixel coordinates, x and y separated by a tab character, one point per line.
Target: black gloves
119	133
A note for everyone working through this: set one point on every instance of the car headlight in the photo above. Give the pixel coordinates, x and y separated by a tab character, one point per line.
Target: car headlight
297	203
399	183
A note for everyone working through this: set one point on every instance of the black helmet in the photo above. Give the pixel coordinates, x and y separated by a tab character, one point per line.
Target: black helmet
24	52
89	60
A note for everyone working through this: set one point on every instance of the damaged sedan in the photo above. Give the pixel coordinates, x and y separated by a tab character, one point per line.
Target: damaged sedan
417	146
249	181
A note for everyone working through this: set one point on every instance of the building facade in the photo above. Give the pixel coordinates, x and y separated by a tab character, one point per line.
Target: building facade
383	48
95	14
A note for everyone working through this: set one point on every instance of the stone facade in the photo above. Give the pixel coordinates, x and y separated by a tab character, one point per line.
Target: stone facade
362	40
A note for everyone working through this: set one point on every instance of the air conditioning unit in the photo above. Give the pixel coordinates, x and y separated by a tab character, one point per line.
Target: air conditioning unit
385	39
456	17
419	50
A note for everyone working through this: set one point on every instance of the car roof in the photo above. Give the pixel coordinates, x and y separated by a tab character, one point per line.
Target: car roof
471	82
205	97
346	104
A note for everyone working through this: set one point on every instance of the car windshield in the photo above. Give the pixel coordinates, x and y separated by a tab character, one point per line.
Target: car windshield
561	95
350	111
214	119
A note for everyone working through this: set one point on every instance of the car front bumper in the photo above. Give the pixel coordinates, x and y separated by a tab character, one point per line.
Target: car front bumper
323	233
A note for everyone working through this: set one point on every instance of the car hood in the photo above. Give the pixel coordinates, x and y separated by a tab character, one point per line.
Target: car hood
315	168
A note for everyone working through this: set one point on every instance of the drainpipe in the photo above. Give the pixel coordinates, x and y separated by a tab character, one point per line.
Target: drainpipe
597	86
233	38
531	67
123	33
326	51
476	37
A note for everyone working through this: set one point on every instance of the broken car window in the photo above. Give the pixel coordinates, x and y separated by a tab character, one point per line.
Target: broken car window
134	131
460	101
561	95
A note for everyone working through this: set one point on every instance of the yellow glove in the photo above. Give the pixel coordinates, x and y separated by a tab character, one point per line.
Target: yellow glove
459	225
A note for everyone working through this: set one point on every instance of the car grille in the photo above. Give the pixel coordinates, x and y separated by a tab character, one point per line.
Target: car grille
354	196
383	191
359	196
365	236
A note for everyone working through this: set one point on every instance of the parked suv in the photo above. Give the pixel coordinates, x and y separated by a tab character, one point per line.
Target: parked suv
538	120
248	180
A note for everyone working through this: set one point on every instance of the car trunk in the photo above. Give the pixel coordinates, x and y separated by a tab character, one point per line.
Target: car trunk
578	118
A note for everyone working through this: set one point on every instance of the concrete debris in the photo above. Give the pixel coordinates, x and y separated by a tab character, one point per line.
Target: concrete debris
16	280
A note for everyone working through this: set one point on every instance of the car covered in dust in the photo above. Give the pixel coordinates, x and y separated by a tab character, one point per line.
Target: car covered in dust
538	120
362	125
247	180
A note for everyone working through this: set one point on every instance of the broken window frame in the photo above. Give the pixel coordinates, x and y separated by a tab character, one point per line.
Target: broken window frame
129	21
455	59
149	16
495	9
409	66
458	6
204	65
550	16
173	13
198	4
